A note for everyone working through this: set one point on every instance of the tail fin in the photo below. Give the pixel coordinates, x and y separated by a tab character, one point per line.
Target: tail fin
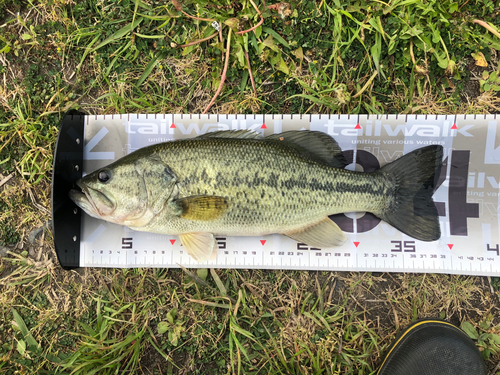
412	210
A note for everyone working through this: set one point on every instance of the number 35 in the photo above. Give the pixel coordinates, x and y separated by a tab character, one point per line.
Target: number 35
406	246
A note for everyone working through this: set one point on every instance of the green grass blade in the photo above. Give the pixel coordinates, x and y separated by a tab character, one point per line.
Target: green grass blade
119	34
32	343
148	70
150	36
219	283
238	329
276	36
87	51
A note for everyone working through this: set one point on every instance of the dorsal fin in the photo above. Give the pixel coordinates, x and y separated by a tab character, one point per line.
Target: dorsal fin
242	134
320	146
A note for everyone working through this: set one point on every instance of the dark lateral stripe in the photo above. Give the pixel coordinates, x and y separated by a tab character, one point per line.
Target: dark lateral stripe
344	187
273	181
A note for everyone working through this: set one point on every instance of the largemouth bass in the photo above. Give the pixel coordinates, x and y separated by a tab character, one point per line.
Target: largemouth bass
237	183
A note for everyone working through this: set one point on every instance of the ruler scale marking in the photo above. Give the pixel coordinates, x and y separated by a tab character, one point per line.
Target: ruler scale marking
379	135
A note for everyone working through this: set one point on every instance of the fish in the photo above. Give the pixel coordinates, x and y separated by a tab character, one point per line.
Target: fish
239	183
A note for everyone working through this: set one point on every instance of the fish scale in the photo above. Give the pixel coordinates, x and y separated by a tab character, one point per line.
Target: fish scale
270	186
239	184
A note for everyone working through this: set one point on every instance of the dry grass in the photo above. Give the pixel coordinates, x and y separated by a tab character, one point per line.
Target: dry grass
246	321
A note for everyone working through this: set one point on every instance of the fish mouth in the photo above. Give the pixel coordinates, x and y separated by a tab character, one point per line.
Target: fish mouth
86	198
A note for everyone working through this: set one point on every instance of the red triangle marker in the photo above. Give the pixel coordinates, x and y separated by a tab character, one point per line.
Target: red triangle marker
263	242
450	245
172	241
356	244
263	126
173	126
454	126
357	126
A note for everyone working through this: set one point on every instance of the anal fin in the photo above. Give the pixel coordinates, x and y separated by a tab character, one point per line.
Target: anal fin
323	234
200	246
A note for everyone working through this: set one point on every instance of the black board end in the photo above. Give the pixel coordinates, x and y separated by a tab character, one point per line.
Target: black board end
67	169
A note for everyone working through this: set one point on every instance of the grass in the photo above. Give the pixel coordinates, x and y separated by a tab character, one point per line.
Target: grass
131	56
159	321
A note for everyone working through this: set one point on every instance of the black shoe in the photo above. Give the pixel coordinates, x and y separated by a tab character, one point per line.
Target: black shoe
432	347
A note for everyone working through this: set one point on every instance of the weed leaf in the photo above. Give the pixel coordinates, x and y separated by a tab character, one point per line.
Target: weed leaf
163	327
480	59
469	329
32	344
282	66
21	347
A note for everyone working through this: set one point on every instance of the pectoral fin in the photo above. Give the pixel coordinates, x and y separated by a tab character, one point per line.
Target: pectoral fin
323	234
200	246
200	207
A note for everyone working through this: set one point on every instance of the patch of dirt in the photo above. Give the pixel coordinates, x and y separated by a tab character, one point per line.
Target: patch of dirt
472	87
152	362
394	300
470	91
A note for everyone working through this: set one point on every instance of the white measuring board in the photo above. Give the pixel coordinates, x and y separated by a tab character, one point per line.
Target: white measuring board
467	196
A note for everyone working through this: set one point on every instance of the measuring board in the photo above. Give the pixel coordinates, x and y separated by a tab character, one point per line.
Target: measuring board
467	195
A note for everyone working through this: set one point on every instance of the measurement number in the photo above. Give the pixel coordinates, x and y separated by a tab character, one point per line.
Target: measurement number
127	243
495	249
406	246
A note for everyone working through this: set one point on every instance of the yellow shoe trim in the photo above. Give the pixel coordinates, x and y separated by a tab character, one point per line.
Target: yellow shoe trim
406	332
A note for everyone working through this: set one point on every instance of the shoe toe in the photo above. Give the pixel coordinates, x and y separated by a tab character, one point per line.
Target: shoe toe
433	347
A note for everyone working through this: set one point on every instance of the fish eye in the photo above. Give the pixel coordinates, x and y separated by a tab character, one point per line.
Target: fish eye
103	176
